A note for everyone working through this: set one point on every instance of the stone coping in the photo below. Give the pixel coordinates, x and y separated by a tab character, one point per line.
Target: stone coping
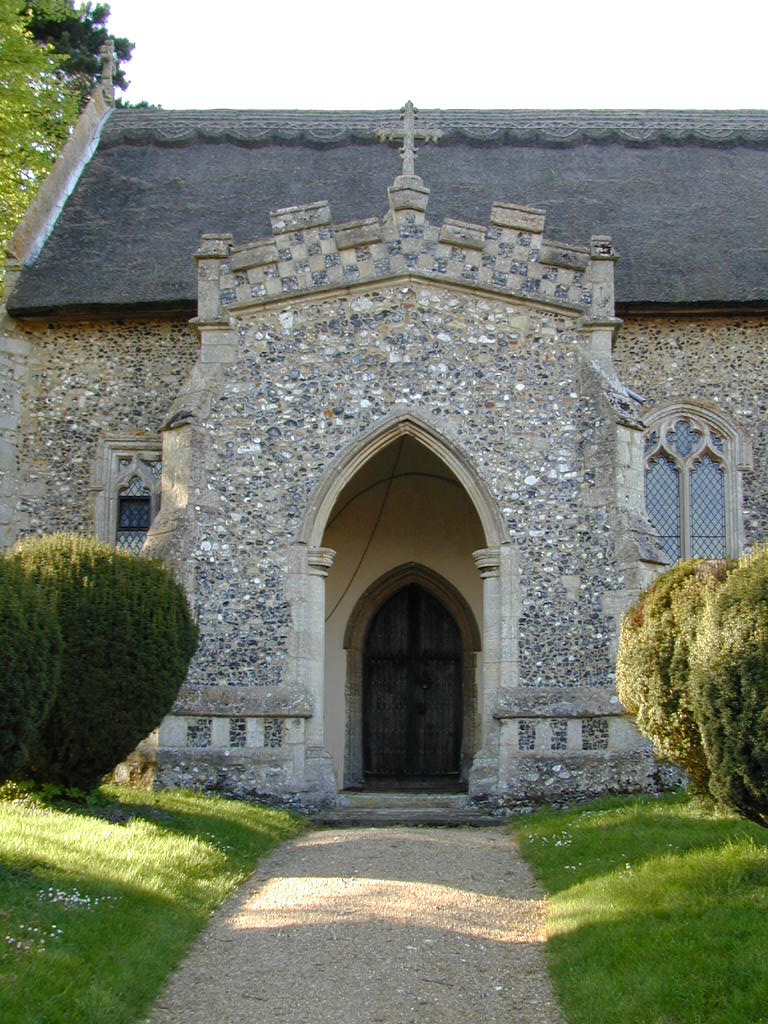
558	702
239	701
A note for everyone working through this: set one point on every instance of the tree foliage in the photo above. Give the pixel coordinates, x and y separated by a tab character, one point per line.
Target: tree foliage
693	669
128	637
36	112
78	35
730	687
654	663
49	54
30	641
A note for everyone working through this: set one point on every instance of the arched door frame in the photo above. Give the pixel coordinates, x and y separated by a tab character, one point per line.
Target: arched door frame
309	562
355	634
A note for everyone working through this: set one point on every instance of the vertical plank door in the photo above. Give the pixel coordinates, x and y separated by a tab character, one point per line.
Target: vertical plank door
412	689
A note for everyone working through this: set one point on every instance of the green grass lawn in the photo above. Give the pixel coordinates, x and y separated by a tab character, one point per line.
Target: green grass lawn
96	911
659	911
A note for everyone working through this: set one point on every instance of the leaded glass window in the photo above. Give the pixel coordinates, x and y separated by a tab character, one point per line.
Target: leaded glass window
692	482
707	517
662	502
134	516
129	484
683	438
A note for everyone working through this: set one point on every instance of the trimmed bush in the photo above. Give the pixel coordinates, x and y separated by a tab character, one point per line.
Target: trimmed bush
30	646
653	667
128	637
730	686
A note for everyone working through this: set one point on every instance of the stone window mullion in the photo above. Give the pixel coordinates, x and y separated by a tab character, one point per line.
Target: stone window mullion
684	476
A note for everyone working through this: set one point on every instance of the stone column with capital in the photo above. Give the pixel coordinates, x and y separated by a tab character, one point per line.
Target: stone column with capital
319	561
500	665
488	564
310	650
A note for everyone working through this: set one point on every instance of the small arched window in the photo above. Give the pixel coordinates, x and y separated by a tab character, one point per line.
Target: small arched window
694	456
128	485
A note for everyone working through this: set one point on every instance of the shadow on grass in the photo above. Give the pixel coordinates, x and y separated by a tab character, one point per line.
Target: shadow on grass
113	954
116	905
181	813
644	953
191	860
658	912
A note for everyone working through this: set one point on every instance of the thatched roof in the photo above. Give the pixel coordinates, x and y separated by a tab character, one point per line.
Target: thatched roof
683	194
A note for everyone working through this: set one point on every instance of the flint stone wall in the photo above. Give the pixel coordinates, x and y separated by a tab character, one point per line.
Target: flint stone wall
251	434
283	389
325	371
508	384
715	359
74	384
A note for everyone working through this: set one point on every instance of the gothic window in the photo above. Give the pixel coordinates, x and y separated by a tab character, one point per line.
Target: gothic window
693	461
134	515
129	476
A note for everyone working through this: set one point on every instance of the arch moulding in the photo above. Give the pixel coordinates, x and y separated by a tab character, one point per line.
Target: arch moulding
383	433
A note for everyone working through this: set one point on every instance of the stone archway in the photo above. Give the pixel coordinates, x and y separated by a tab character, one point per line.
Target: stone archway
387	430
354	642
499	601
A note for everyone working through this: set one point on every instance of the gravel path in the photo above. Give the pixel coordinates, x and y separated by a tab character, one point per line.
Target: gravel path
360	926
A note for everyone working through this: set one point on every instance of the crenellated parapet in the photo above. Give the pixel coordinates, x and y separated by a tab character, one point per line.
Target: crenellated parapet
307	253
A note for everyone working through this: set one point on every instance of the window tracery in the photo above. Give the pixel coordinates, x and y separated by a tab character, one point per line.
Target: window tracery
694	456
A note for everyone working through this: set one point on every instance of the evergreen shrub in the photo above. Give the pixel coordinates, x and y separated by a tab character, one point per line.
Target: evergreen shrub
30	648
128	637
653	667
730	685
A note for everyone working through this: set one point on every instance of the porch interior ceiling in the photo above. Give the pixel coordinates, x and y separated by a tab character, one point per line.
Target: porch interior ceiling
382	510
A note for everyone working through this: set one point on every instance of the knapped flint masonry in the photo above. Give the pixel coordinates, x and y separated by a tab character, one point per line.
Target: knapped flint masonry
409	447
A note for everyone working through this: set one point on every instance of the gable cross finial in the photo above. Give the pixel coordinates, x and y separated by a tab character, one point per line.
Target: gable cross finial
408	135
408	152
107	54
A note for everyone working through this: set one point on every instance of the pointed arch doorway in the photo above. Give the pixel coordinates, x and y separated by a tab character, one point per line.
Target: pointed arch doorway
412	685
397	496
411	695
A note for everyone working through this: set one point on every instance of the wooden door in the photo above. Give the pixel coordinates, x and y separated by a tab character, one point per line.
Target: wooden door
412	689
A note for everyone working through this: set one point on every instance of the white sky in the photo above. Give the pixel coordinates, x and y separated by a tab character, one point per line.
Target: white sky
337	54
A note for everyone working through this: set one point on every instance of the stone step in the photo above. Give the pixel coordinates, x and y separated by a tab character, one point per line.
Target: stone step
401	798
374	808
